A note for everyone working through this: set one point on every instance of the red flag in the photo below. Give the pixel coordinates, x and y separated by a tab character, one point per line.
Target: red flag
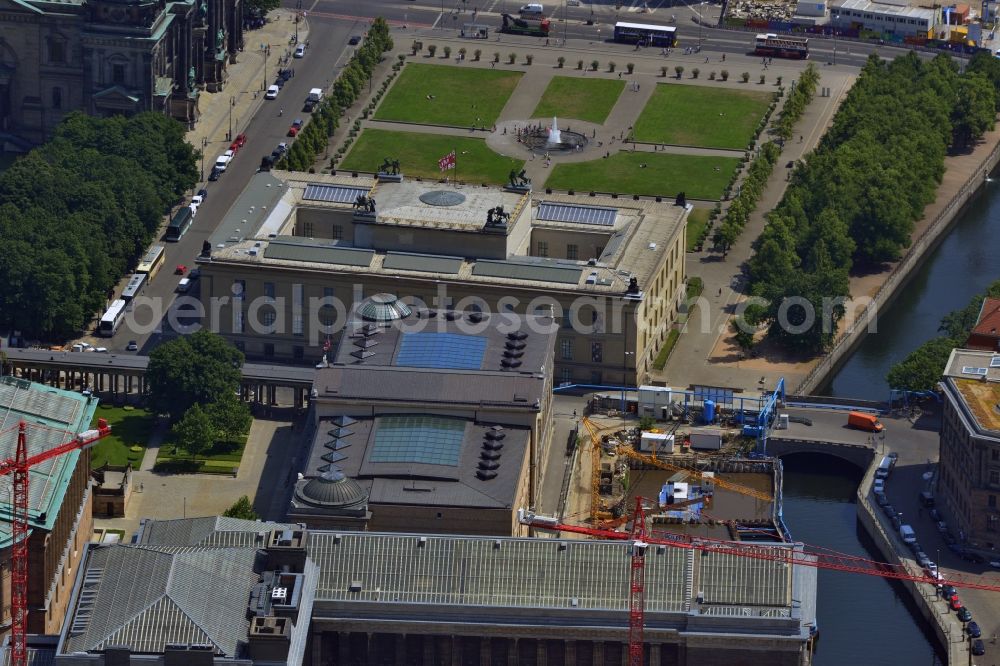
326	345
447	162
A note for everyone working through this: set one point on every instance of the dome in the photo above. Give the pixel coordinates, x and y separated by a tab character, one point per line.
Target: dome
383	307
332	489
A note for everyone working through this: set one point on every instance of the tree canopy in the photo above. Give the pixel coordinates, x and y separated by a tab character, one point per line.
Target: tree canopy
77	212
241	508
856	199
201	368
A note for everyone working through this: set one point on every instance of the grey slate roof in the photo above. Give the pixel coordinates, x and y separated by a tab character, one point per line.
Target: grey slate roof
216	531
149	596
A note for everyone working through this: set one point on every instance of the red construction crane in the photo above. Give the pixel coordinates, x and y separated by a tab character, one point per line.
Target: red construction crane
793	554
18	466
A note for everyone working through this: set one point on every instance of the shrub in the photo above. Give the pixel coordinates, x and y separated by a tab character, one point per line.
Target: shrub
746	76
777	81
711	76
417	47
432	49
663	72
402	58
630	67
724	74
561	61
579	64
695	72
447	52
461	53
611	66
511	58
762	79
594	64
477	54
528	59
679	70
496	56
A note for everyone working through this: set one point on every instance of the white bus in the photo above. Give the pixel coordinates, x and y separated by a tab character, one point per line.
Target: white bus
112	319
135	285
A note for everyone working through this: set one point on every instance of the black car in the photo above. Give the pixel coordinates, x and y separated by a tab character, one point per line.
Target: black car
948	591
356	39
935	515
964	614
974	630
889	510
203	193
881	499
978	648
214	175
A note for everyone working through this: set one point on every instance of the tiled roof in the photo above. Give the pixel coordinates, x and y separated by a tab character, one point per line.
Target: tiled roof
216	531
149	596
989	317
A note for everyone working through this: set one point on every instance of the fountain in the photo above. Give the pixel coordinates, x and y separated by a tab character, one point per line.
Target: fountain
555	136
541	140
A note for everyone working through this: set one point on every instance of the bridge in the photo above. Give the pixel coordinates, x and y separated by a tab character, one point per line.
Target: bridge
858	454
121	375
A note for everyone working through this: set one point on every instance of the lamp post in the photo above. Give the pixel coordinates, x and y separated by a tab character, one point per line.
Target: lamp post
836	20
232	103
701	19
204	145
263	50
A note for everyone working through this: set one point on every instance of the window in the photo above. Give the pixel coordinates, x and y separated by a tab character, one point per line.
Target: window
269	350
327	292
118	74
596	352
993	522
994	455
994	477
337	232
298	317
566	349
57	98
298	352
57	50
307	229
566	375
267	317
269	291
543	248
239	291
572	252
992	501
567	320
595	377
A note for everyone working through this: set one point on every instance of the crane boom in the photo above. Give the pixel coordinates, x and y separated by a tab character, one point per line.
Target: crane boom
722	483
18	467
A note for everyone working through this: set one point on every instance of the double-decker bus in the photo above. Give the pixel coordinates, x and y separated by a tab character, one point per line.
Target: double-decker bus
783	46
180	223
151	262
112	319
135	285
646	34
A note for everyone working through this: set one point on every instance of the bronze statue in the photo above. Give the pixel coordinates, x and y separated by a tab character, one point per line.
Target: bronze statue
497	217
519	179
364	204
390	167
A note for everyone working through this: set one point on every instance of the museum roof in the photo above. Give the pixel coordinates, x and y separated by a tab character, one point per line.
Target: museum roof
638	233
362	569
421	459
211	531
54	416
975	376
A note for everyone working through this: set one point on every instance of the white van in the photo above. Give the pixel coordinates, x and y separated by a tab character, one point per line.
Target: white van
884	468
183	285
221	163
532	10
909	536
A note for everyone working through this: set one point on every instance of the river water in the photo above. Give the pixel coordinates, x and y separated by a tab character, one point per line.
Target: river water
862	619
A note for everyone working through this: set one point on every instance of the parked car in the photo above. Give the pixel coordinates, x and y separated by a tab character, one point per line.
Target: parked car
881	499
978	647
222	162
240	140
195	273
955	603
948	591
942	526
300	51
197	200
889	510
354	40
203	193
296	126
272	92
280	149
922	558
974	630
132	346
964	615
101	350
935	515
879	486
180	270
893	456
215	174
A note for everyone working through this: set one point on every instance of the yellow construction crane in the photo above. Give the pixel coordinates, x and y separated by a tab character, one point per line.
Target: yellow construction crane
597	513
721	483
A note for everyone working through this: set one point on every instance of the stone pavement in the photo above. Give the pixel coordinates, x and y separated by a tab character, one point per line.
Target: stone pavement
263	474
245	81
703	354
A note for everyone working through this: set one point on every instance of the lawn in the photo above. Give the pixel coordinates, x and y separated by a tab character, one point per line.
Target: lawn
130	428
697	221
444	95
222	458
418	155
590	100
665	175
699	116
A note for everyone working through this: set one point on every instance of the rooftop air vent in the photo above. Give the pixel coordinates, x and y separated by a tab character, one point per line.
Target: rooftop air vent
512	335
362	354
513	354
489	455
485	475
451	315
520	335
492	446
511	344
365	343
476	317
488	464
495	434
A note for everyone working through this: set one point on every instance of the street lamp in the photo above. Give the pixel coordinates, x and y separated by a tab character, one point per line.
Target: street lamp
232	103
836	20
701	19
263	50
204	145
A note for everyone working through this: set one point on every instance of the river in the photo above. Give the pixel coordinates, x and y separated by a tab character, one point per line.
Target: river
861	618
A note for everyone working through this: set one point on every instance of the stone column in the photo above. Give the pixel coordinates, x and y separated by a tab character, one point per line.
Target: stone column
512	653
428	649
400	649
598	653
654	654
569	653
343	648
485	652
456	650
541	653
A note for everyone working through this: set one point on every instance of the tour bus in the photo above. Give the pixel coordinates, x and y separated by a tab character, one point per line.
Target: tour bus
180	223
646	34
151	262
135	285
112	319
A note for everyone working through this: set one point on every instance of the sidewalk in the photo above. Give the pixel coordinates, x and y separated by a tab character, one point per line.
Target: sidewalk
245	81
703	354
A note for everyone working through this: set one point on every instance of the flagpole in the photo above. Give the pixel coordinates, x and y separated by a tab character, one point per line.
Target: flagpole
455	153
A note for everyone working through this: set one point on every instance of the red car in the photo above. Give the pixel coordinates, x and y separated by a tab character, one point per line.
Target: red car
955	603
180	270
296	126
238	143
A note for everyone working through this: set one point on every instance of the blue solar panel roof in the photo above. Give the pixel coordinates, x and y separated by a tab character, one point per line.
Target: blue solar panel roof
333	193
441	350
596	215
431	440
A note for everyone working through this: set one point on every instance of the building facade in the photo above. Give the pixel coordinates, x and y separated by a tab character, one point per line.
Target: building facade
294	256
109	57
884	16
969	480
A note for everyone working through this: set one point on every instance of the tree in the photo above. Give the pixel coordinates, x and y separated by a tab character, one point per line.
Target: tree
262	6
743	333
922	369
679	70
242	508
192	369
975	110
194	432
231	417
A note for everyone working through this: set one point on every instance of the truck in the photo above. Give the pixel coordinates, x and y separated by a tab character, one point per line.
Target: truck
864	421
315	95
513	25
706	438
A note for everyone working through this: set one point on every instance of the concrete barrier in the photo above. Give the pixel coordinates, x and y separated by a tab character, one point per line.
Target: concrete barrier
947	629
